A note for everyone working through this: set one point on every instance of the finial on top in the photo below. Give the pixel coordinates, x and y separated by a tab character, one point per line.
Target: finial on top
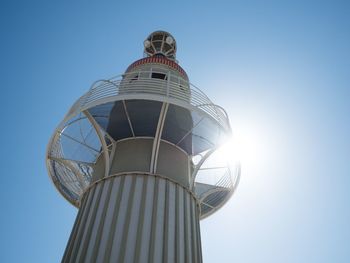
160	43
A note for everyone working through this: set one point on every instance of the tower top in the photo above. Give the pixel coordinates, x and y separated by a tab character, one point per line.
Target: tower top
160	43
148	121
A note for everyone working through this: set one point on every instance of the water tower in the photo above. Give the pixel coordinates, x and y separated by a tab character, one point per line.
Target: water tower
136	156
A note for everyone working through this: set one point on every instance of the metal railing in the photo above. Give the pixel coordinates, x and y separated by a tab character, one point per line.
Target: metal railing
69	177
220	192
137	84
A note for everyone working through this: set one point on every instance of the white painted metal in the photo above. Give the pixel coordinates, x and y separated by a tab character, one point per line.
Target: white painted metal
101	136
136	218
128	117
157	137
115	89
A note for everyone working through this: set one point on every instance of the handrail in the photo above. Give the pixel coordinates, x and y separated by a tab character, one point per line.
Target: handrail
140	85
141	82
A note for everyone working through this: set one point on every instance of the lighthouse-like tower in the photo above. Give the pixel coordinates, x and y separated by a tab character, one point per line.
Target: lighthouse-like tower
136	156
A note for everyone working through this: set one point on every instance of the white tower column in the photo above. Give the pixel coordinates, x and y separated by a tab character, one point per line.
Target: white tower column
136	156
136	218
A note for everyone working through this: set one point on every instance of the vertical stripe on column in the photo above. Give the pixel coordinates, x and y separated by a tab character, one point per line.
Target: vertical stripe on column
79	238
136	218
126	225
191	230
199	236
194	229
131	231
188	237
103	220
97	224
185	227
146	228
107	225
82	224
180	225
176	224
141	220
154	219
159	223
166	222
76	226
91	219
170	242
117	240
114	220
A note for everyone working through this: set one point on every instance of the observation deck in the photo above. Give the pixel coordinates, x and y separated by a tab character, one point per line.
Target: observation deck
86	141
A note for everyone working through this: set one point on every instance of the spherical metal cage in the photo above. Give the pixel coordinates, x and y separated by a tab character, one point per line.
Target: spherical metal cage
82	144
160	42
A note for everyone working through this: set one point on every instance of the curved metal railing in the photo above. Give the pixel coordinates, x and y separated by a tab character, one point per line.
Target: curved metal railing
217	194
70	167
173	88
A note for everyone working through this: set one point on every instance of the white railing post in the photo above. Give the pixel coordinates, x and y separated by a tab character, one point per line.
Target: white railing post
103	89
167	85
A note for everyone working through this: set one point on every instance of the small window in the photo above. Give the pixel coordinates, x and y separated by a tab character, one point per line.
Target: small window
158	76
134	78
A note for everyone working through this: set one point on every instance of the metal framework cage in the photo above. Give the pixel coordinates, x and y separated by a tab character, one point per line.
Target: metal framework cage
131	106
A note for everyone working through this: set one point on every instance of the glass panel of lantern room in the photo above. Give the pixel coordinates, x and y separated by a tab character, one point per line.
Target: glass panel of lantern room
204	136
101	114
117	125
178	124
144	116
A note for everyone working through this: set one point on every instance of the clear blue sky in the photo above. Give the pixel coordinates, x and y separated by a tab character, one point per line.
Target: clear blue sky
280	68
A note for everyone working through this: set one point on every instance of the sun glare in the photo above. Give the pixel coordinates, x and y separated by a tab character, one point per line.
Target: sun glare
244	148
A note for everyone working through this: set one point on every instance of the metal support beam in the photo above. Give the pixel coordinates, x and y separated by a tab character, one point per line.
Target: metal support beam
72	168
189	132
98	130
157	137
77	141
128	117
198	166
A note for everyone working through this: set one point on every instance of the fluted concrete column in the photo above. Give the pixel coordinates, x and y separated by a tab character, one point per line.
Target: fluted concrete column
136	218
